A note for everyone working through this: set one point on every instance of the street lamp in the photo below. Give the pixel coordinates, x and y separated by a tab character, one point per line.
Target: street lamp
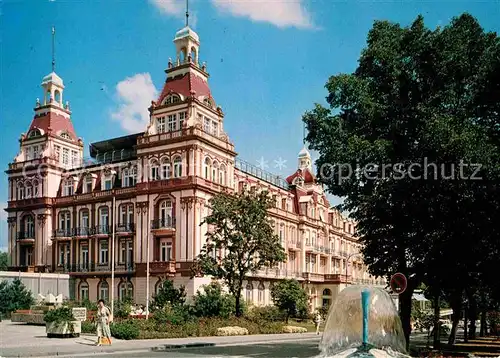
347	262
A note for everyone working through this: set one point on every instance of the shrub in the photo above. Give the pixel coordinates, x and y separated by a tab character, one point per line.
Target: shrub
59	315
294	329
125	330
175	315
14	296
88	327
168	294
232	331
122	308
213	302
266	313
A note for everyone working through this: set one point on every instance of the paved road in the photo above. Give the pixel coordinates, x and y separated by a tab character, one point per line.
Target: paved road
302	349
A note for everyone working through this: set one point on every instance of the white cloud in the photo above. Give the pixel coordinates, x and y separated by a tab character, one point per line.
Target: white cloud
134	95
282	13
170	7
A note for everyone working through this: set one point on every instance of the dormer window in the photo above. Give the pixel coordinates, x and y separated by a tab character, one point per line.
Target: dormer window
87	185
172	99
206	125
65	135
215	128
208	102
129	176
108	183
68	187
34	133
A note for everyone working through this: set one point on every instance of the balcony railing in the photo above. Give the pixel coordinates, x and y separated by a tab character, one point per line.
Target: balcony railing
63	233
97	267
23	235
126	227
163	223
82	231
101	230
162	266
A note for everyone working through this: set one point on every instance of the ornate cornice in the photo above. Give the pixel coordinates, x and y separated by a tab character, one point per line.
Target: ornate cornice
11	221
187	202
41	218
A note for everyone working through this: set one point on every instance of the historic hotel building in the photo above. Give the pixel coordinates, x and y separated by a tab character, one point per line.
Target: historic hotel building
149	192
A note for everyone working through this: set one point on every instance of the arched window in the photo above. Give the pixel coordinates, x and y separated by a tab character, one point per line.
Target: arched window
177	167
83	291
215	171
327	292
65	135
57	96
154	173
21	193
249	293
222	175
29	190
262	291
207	167
166	213
64	222
35	133
172	99
103	290
28	225
166	169
129	176
125	290
36	191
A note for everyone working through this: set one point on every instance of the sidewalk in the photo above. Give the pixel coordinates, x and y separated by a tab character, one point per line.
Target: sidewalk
21	340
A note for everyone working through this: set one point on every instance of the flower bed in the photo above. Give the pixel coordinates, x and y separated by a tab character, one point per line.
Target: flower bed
294	329
232	331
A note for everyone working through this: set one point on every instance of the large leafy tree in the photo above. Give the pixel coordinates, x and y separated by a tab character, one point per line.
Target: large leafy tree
14	296
168	295
4	261
240	239
419	104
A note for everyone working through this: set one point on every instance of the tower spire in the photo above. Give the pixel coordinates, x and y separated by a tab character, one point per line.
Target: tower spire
53	49
187	13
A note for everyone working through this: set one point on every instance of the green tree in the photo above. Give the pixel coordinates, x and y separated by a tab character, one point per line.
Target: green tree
14	296
240	240
289	297
4	261
418	96
168	295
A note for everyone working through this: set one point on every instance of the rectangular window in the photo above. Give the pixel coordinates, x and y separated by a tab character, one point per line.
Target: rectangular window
57	152
182	117
35	151
29	191
74	159
108	184
68	187
206	125
166	251
160	124
172	122
27	152
215	128
84	219
123	252
65	156
88	185
103	252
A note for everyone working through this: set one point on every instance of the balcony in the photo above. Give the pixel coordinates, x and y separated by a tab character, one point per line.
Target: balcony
163	223
25	235
63	233
338	278
313	277
162	267
81	231
125	228
101	230
93	267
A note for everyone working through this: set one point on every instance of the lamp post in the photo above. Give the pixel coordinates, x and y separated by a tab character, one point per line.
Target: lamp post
113	256
347	263
147	270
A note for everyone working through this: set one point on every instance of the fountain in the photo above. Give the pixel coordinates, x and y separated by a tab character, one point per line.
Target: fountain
363	322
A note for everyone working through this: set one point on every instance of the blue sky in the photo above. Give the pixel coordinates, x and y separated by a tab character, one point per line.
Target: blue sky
268	61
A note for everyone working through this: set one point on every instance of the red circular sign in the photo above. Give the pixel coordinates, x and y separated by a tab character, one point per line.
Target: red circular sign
398	283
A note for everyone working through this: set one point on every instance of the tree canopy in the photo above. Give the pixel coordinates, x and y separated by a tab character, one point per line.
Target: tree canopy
411	140
290	297
240	239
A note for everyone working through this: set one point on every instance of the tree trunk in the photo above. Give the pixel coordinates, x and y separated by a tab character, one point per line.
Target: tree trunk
466	318
457	312
482	330
437	326
405	312
473	318
237	304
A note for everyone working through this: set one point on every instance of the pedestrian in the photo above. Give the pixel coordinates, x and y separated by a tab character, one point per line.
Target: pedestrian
103	320
317	320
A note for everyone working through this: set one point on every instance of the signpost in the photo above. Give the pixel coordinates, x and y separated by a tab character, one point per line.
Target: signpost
398	283
80	313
